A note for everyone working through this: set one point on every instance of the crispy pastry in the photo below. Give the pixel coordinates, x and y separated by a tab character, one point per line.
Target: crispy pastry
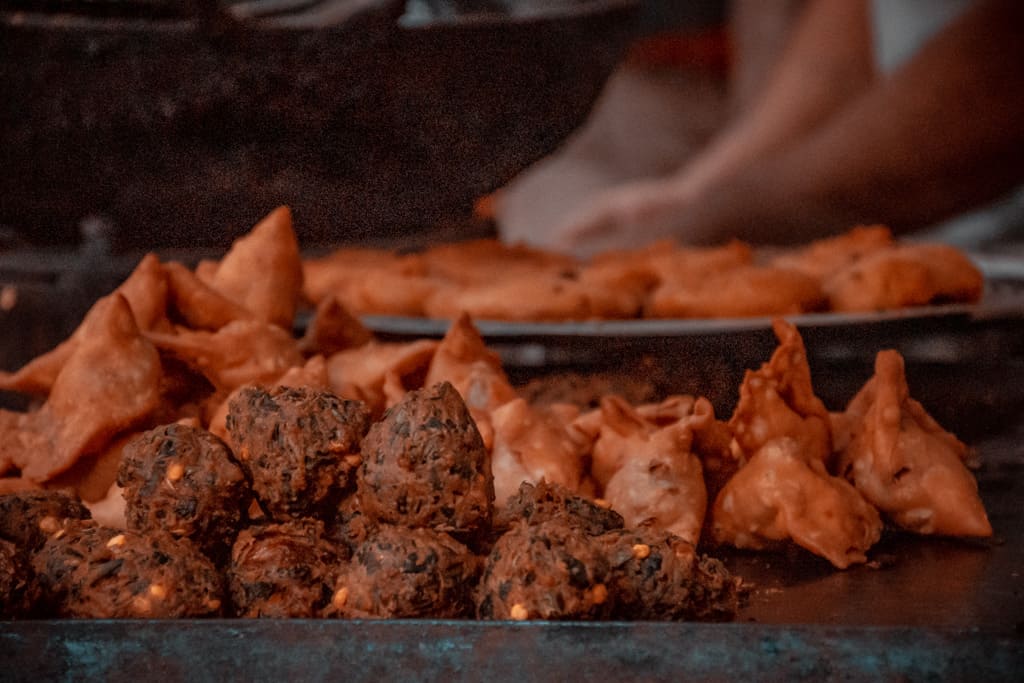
741	292
463	359
145	292
110	383
333	328
242	352
262	271
905	463
777	401
905	275
531	444
649	474
362	373
198	304
781	495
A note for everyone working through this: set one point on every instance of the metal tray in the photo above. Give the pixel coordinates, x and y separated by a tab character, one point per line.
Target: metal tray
1003	300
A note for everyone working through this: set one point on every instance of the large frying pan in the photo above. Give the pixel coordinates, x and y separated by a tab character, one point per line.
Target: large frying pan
182	123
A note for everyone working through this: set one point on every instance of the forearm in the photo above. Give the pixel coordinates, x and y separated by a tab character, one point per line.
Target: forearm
942	135
826	64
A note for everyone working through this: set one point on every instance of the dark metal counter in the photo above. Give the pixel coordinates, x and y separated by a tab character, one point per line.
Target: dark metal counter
455	651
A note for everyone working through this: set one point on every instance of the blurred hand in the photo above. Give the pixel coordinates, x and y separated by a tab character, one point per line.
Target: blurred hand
627	216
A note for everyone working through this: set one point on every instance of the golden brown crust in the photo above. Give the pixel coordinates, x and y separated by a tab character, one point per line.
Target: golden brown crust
905	463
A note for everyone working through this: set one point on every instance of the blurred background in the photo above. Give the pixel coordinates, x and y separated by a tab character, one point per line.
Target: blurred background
160	122
179	123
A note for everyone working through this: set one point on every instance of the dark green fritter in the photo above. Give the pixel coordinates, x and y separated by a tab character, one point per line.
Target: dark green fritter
29	518
299	447
659	576
284	570
99	572
425	466
407	574
537	503
185	481
18	588
551	570
351	528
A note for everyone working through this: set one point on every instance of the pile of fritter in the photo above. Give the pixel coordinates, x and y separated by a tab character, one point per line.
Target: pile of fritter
309	509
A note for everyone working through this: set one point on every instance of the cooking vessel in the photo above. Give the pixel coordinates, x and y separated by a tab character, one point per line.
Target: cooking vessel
181	124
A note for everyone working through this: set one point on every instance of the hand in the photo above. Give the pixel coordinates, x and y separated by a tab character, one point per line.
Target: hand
632	215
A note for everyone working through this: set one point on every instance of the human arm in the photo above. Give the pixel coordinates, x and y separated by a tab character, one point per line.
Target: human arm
826	63
940	135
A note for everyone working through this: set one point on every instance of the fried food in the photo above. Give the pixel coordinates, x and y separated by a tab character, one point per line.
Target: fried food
539	296
689	266
103	573
463	359
242	352
777	401
649	474
656	575
145	291
299	447
185	481
780	495
537	503
312	375
283	570
324	277
531	445
741	292
906	275
384	292
406	574
92	475
552	570
905	463
825	257
425	466
630	274
263	270
29	518
110	383
18	589
333	328
361	373
475	262
198	304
